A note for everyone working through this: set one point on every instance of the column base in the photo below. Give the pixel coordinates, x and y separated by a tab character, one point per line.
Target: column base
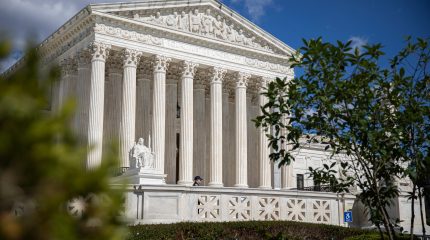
141	176
215	184
241	186
265	187
185	183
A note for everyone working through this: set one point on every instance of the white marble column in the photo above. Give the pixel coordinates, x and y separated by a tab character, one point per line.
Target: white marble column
80	125
71	81
200	126
115	72
227	146
140	103
144	99
265	166
71	71
186	142
159	111
62	86
216	127
99	52
241	130
110	125
128	110
171	112
107	112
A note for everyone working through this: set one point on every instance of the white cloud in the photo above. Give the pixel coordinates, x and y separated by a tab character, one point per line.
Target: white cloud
21	20
358	42
255	8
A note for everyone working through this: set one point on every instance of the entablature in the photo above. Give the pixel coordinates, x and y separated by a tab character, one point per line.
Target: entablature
95	23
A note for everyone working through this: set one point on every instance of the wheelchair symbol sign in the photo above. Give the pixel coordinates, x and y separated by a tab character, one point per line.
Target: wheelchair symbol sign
347	216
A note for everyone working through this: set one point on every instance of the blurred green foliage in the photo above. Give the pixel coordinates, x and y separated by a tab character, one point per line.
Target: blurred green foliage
42	165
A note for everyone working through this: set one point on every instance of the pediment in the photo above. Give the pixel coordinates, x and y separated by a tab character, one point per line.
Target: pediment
205	18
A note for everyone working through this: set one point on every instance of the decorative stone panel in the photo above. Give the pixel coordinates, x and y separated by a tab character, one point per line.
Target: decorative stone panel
239	208
268	208
321	212
208	207
296	210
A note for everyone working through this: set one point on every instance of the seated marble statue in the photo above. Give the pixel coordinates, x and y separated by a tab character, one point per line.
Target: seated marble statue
141	156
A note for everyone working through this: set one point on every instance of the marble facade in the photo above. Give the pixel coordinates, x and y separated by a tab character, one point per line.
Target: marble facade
135	74
188	74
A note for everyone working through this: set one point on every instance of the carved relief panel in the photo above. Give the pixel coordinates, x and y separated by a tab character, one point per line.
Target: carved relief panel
206	23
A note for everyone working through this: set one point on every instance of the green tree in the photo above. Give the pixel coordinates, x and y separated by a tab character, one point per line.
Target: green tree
347	101
41	167
414	116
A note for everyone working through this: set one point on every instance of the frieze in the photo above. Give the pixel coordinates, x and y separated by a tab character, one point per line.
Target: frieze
268	66
227	56
205	24
125	34
145	38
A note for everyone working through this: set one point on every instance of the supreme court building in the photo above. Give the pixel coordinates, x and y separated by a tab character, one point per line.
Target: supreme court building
185	75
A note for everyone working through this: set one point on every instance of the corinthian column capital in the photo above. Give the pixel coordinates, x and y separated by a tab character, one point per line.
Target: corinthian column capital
99	51
131	57
161	63
242	79
189	69
218	74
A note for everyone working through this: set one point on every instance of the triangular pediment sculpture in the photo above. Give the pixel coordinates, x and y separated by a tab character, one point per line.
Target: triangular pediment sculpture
207	24
206	18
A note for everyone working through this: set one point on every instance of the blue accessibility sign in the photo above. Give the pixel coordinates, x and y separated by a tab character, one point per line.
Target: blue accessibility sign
347	216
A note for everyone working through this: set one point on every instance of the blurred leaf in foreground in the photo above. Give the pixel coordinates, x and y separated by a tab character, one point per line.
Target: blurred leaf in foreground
45	192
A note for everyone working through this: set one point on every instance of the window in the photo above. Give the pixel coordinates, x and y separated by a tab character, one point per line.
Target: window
300	182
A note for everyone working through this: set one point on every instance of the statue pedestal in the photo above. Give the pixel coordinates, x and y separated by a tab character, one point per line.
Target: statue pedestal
146	176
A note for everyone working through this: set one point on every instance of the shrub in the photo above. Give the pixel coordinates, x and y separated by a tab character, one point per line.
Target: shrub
244	230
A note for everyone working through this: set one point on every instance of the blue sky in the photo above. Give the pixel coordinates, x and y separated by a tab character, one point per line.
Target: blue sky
372	21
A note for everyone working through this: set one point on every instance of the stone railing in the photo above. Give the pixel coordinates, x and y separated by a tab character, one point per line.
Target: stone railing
173	203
